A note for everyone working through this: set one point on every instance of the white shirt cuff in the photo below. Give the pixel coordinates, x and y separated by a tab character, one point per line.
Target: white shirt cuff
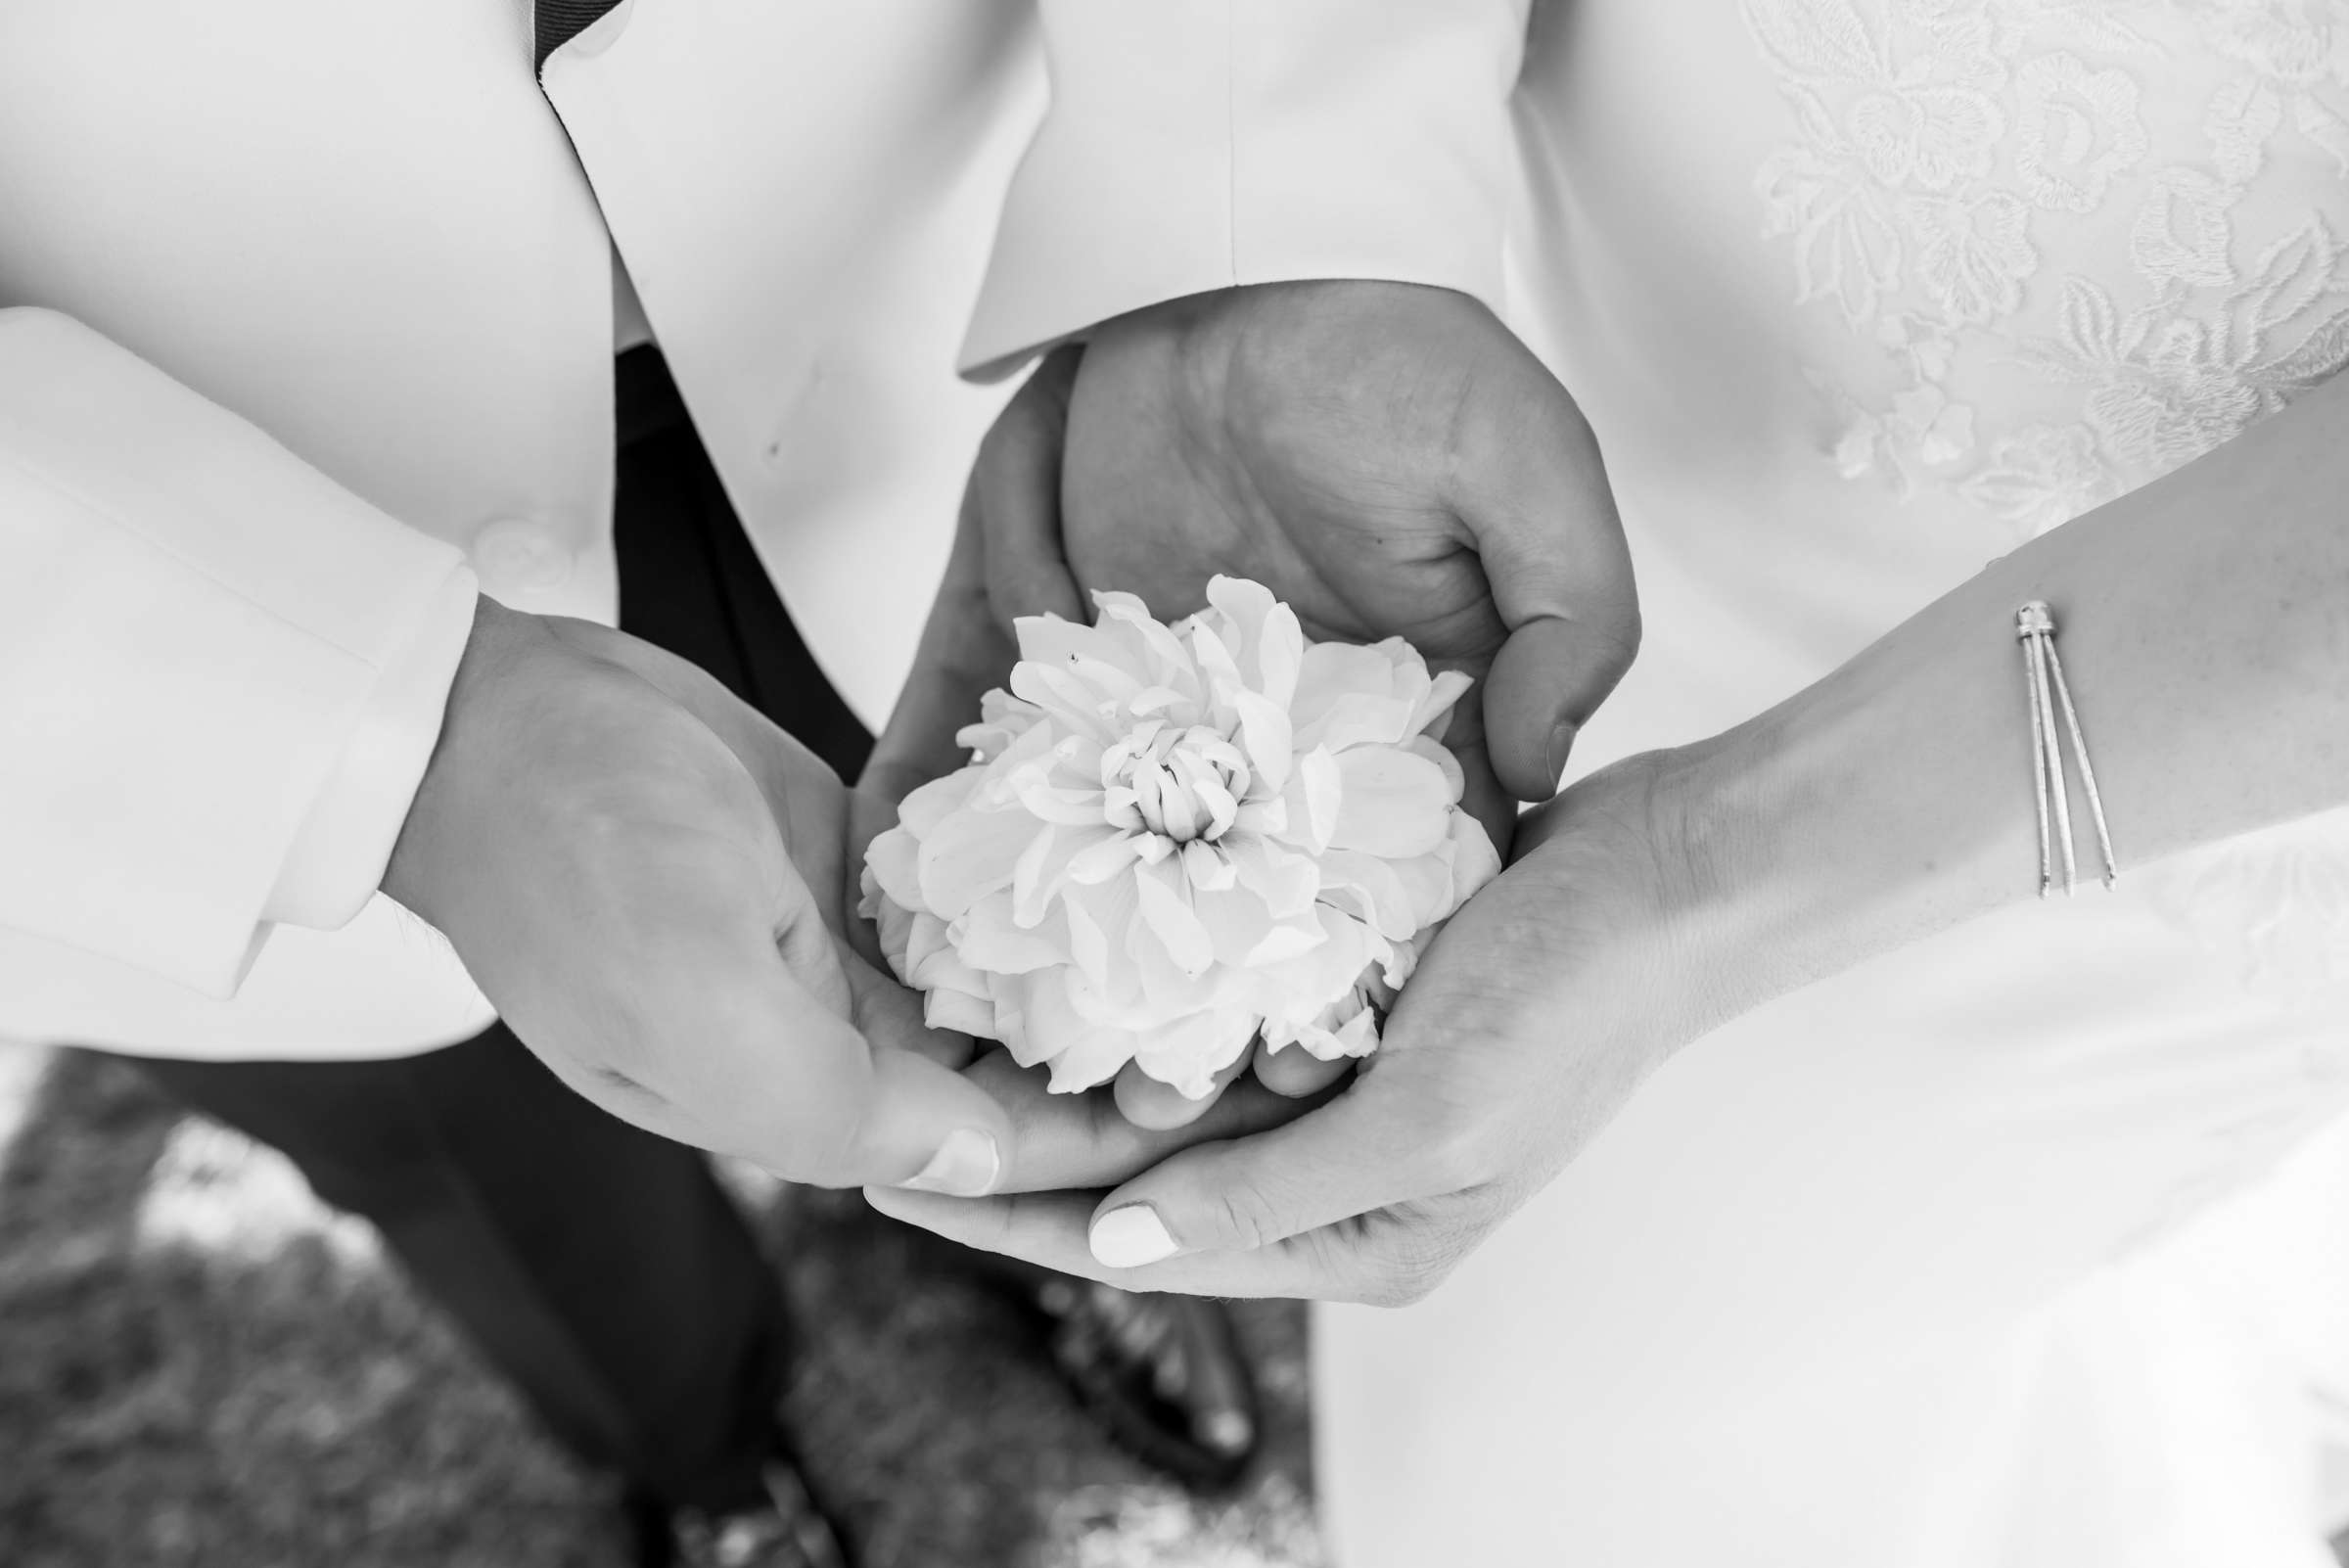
1190	147
338	852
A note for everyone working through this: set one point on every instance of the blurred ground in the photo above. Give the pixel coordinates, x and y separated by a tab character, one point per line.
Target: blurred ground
199	1367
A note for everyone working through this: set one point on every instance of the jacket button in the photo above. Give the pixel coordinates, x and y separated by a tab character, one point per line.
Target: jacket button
516	556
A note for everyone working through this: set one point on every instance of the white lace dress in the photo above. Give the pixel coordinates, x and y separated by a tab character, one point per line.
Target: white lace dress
2028	1245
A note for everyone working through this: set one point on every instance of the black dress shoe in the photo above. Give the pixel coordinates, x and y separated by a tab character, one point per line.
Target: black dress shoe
1164	1375
784	1527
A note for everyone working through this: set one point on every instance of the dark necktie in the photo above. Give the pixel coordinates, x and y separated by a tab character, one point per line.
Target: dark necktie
556	22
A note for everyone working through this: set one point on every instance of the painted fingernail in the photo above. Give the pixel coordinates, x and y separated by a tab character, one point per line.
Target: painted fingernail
965	1165
1226	1431
1131	1237
1561	747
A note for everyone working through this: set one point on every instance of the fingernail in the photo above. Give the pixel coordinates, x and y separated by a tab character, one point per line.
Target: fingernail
1226	1431
965	1165
1131	1237
1561	747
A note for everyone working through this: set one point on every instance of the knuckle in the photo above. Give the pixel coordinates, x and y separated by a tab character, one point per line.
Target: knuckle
1030	420
1456	1157
617	1045
1408	1271
1243	1215
832	1144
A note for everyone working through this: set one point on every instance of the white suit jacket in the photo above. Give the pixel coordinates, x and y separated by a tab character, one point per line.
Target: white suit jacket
306	328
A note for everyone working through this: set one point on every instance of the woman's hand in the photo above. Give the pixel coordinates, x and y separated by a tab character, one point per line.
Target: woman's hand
1539	1010
2205	625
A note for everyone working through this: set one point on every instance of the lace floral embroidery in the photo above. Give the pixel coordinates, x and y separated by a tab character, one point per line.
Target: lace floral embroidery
1945	149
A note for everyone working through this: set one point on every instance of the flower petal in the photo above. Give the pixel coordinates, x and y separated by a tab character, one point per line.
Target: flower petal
1287	940
1474	860
1104	859
1050	640
891	863
1166	904
1433	716
1369	888
1280	656
1207	870
1316	799
1235	919
1063	697
1244	605
970	855
1188	1053
1174	662
1392	804
1360	718
960	1011
1283	879
1454	781
1031	892
996	947
1100	919
1330	670
1265	736
931	804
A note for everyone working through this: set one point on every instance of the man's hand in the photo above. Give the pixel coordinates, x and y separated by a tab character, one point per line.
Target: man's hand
1539	1010
1386	457
648	880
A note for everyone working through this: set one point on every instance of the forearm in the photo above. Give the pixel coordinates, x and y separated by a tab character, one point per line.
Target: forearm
2205	630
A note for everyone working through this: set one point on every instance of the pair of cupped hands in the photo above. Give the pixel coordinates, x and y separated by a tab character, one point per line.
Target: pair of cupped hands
657	887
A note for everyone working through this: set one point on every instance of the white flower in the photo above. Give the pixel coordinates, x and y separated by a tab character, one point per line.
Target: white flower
2297	42
1845	245
1174	840
2041	477
1931	136
2177	400
2183	231
1972	256
2077	128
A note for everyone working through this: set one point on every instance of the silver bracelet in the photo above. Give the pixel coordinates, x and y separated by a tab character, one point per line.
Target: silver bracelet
2043	674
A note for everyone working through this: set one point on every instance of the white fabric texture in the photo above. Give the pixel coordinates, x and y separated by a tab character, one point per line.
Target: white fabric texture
220	674
1974	1254
1198	146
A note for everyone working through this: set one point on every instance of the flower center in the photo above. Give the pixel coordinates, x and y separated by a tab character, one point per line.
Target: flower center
1183	783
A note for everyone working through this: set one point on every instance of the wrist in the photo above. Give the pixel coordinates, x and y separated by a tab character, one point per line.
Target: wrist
491	649
1711	818
1861	814
1646	859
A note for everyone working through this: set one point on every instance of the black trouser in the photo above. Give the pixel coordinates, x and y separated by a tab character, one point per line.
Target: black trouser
599	1266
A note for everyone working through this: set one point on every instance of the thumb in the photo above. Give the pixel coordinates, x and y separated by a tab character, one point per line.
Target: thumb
868	818
1365	1150
757	1046
890	1016
912	1120
963	652
1534	494
1006	563
1015	492
938	1128
928	1127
